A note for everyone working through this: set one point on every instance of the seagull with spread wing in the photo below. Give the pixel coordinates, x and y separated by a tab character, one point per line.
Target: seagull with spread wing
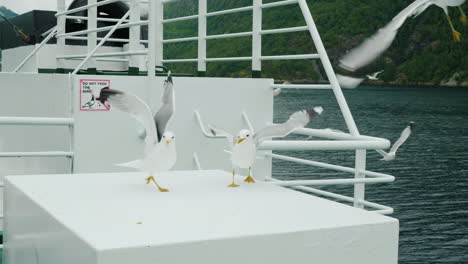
160	150
244	147
374	76
375	45
404	136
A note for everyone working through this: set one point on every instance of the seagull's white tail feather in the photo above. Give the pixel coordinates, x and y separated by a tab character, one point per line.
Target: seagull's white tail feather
136	164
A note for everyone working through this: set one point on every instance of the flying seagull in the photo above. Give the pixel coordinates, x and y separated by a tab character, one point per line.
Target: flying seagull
374	76
404	136
374	46
244	148
160	151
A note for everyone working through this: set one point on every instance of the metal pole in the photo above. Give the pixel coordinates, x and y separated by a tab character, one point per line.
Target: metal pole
134	43
92	36
360	166
328	68
91	53
60	29
159	31
202	9
256	38
151	38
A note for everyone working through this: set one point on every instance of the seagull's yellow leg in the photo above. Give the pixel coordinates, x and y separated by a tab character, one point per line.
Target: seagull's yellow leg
151	178
249	178
456	34
463	18
233	184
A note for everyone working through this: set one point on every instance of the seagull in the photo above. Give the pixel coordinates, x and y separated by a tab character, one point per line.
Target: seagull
374	46
374	76
404	136
244	148
160	150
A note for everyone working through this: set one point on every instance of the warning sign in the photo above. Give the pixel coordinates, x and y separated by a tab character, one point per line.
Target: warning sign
89	92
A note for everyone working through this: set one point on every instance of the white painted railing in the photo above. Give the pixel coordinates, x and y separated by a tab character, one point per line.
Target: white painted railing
337	141
35	121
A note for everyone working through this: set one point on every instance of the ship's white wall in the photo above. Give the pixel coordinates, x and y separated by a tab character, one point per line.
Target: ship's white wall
46	58
33	95
104	138
200	220
34	236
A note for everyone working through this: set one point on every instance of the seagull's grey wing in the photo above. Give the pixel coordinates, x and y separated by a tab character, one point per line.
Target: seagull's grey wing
375	45
377	73
221	133
167	109
381	152
296	120
404	136
134	106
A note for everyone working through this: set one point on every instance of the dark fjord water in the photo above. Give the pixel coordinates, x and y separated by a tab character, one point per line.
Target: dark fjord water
430	194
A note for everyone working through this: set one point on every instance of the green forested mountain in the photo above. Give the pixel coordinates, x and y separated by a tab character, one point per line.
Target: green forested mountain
422	53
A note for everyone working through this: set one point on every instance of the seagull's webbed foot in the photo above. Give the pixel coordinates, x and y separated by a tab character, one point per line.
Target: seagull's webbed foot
151	178
249	178
456	35
233	184
464	20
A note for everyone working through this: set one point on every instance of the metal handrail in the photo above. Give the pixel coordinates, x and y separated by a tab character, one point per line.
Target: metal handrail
92	52
39	121
322	145
86	31
109	54
36	154
86	7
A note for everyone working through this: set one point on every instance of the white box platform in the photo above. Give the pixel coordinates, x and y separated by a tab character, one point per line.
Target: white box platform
116	218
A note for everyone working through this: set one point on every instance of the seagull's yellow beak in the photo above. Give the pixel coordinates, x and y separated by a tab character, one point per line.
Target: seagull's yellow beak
240	140
167	142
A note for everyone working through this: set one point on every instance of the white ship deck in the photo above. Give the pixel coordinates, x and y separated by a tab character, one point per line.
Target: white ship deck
95	218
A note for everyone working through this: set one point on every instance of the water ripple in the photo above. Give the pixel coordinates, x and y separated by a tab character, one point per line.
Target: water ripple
430	194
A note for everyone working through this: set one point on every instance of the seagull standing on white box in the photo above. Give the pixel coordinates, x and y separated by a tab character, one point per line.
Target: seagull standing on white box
244	148
160	150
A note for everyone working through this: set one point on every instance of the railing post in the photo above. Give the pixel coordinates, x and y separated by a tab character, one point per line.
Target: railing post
202	9
328	68
159	31
359	188
151	38
60	30
134	43
92	37
256	38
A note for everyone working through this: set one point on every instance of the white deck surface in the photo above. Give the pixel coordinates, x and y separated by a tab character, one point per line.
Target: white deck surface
103	210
